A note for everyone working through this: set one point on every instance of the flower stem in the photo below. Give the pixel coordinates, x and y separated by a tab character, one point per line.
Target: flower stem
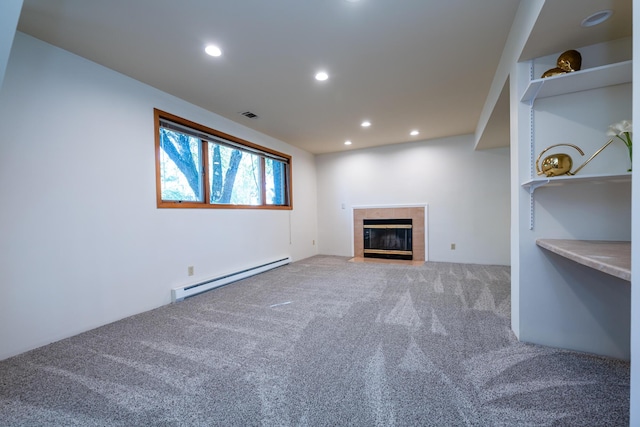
627	141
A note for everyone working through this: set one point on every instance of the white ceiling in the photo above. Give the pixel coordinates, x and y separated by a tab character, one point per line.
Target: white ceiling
402	64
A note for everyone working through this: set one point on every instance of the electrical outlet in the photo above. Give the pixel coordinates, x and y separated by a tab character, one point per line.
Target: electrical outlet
453	246
190	270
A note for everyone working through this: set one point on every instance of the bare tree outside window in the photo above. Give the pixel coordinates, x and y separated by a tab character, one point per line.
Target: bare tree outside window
197	168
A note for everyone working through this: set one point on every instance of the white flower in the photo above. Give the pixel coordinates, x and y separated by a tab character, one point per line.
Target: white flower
617	129
623	130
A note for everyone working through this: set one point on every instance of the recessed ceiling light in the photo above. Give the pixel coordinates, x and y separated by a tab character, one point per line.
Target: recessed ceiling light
596	18
322	76
347	143
365	124
414	133
213	50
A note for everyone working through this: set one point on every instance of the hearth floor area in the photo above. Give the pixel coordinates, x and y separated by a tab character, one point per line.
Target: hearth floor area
387	261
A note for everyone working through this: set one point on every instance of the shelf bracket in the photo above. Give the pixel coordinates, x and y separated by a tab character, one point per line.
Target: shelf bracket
531	187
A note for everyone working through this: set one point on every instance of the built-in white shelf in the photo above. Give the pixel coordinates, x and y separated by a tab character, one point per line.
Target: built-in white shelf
534	183
590	78
610	257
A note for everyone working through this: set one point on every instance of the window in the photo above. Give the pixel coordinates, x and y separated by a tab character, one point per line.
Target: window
198	167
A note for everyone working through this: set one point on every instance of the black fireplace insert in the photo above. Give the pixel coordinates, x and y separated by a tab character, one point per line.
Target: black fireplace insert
388	238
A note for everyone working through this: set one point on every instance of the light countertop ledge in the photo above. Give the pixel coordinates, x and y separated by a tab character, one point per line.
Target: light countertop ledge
611	257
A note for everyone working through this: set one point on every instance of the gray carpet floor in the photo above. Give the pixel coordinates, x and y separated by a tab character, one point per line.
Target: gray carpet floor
319	342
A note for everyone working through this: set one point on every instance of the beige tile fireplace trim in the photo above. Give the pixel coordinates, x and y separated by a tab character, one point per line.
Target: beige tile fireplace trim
417	213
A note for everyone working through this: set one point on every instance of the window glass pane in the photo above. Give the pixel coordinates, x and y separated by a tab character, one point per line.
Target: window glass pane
275	182
199	167
180	167
234	175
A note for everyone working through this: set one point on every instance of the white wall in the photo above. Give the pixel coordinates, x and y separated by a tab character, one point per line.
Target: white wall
83	243
467	192
635	239
556	302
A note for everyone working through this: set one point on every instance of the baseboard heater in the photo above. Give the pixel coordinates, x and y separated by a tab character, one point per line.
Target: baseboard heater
178	294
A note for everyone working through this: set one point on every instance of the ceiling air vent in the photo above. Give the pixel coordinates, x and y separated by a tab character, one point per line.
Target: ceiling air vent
250	115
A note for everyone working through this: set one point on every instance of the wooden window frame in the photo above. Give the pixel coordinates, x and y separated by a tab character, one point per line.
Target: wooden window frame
205	203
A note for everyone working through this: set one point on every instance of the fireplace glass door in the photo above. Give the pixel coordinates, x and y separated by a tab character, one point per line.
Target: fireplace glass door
388	238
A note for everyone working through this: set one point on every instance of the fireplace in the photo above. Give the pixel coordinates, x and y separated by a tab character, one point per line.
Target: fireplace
388	238
418	215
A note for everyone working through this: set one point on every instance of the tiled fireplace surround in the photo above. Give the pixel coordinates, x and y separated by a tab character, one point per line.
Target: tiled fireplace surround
415	212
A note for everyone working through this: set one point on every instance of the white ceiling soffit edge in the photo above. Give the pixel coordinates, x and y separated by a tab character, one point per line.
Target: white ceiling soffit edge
9	16
525	19
496	133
